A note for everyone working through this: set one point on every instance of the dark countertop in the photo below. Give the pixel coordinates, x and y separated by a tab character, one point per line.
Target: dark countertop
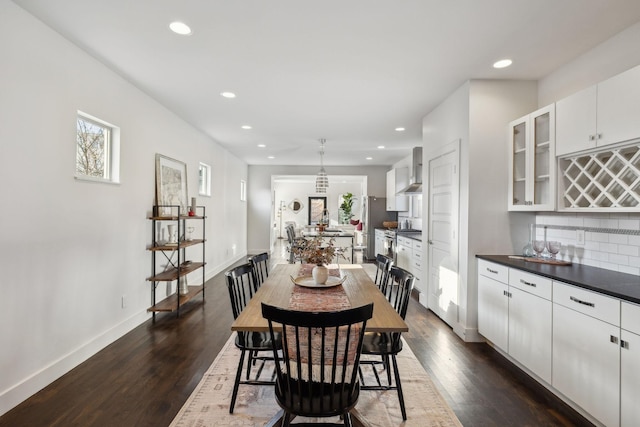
619	285
327	234
413	234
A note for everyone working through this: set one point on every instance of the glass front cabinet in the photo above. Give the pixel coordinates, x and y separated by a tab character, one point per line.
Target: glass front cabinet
532	161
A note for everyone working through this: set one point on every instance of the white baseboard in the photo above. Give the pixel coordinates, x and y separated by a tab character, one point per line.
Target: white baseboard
16	394
468	334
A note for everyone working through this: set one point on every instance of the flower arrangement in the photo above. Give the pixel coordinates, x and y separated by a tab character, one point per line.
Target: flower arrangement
316	250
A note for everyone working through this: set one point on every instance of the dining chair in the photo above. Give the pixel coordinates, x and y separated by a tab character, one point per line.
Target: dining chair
383	265
260	265
242	285
317	367
294	243
388	345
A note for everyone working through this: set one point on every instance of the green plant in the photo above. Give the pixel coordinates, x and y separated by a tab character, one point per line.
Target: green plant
347	205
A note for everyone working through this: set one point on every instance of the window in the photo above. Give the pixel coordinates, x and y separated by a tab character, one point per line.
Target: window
204	180
243	190
97	149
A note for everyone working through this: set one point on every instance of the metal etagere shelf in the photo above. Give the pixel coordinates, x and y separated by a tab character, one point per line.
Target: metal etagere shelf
174	251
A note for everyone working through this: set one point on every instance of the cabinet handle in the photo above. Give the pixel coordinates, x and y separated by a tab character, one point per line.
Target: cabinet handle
579	301
506	294
598	136
624	344
613	339
491	271
592	137
528	283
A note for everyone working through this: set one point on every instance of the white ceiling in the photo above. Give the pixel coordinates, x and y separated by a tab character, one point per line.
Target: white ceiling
350	71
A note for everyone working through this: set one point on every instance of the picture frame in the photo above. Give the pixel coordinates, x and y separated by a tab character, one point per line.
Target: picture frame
317	206
171	186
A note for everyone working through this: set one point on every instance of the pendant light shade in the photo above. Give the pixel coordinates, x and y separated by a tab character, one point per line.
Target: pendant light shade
322	181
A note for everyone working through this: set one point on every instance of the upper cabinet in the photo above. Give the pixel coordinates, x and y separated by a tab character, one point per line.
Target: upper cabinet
397	179
532	172
600	115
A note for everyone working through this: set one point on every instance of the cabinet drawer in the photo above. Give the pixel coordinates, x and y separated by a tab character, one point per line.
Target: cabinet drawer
417	254
590	303
495	271
417	245
630	317
532	283
403	241
416	265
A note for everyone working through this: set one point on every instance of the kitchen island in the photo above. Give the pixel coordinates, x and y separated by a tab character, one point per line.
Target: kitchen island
342	240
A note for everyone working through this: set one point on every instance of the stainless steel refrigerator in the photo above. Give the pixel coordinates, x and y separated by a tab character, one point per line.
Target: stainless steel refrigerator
374	212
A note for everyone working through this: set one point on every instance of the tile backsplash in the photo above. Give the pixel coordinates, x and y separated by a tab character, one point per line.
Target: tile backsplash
612	241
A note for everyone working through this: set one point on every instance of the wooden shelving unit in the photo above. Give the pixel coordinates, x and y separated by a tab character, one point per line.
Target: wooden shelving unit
178	265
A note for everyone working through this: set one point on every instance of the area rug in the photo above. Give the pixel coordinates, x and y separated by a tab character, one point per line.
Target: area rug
208	405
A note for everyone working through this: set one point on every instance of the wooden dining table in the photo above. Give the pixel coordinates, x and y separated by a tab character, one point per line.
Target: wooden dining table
359	288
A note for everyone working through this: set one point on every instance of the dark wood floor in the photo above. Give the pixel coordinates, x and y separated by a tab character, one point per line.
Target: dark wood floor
145	377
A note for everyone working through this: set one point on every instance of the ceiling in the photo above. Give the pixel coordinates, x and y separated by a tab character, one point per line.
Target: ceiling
350	71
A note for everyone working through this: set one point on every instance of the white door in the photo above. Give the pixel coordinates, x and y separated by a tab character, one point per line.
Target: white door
442	252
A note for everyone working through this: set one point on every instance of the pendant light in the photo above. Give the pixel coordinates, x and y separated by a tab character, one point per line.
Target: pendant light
322	181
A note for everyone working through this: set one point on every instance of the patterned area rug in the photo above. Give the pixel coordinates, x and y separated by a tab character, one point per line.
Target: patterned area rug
208	405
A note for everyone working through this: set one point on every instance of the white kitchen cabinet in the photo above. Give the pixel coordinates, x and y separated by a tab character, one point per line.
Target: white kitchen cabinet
379	244
599	115
532	171
397	179
493	311
629	364
404	250
586	351
416	265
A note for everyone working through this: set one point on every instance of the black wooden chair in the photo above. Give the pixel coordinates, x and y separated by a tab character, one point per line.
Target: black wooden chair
388	345
383	265
260	265
317	369
242	285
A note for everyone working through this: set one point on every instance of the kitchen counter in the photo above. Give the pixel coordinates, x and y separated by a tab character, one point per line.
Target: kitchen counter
327	234
619	285
414	235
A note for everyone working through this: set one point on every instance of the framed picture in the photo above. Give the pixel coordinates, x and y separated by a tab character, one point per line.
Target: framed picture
317	206
171	185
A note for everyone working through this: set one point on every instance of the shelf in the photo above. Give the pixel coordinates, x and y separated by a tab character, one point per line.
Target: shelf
175	217
170	303
173	274
540	178
183	244
519	150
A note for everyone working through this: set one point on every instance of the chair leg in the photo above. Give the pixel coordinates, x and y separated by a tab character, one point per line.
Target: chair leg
385	361
399	387
346	417
236	384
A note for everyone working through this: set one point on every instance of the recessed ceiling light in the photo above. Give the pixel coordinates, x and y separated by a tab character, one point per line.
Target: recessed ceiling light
369	158
261	145
228	94
271	157
503	63
246	127
180	28
380	147
399	129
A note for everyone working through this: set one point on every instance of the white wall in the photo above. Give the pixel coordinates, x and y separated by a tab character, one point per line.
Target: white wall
71	249
261	199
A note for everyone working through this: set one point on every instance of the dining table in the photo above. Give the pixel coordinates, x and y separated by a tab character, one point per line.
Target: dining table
359	288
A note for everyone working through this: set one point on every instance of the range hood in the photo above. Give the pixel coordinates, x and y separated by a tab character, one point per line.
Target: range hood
415	182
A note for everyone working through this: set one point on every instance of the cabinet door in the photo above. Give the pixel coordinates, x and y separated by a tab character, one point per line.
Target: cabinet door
391	190
518	130
404	257
576	122
530	332
379	247
586	363
619	108
629	379
493	311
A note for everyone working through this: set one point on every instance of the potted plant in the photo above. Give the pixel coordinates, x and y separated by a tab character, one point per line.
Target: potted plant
346	207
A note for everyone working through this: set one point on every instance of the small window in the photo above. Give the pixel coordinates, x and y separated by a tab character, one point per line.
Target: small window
204	180
97	149
243	190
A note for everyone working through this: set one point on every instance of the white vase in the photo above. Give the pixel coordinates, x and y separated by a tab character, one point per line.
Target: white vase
183	287
320	274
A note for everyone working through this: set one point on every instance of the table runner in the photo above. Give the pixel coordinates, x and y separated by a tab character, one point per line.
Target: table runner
319	299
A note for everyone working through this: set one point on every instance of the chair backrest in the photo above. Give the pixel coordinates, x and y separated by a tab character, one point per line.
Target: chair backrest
383	264
242	285
320	355
290	234
399	289
260	265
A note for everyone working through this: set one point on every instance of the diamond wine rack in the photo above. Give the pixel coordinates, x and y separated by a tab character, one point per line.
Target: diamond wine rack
605	179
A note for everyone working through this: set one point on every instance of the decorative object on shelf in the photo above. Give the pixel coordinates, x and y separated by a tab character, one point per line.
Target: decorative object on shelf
190	231
192	208
538	246
553	247
183	288
390	224
171	185
173	234
322	181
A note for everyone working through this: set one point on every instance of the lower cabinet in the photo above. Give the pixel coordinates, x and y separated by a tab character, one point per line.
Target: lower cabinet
379	244
493	311
404	250
629	364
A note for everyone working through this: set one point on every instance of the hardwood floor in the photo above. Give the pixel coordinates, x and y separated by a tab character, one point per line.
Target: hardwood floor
145	377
